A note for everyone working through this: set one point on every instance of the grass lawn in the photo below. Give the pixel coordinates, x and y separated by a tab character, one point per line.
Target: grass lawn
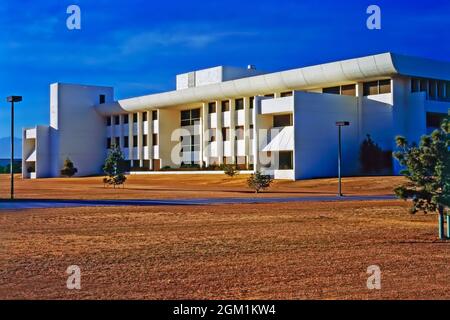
248	251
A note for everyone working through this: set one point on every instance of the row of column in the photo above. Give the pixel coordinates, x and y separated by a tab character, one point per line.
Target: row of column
140	156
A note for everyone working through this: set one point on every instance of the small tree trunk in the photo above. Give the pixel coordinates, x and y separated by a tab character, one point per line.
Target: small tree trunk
441	222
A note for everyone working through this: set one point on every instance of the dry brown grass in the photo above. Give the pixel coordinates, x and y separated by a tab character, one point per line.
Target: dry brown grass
267	251
189	186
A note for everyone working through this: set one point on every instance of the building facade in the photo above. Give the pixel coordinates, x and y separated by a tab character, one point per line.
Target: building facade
282	123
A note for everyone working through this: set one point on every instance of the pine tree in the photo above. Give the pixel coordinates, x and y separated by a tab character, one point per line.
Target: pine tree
114	167
258	181
427	167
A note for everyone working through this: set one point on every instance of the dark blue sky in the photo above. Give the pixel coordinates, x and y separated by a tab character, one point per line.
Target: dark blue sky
139	46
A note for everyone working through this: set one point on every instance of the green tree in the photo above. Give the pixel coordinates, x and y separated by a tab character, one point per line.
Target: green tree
258	181
114	167
372	158
68	169
427	167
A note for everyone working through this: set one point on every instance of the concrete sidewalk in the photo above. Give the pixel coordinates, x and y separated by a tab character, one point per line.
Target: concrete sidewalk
47	203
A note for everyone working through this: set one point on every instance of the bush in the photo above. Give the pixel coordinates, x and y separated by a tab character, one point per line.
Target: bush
258	181
230	170
68	169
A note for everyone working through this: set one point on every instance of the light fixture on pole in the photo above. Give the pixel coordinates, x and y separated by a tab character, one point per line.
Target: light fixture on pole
12	99
340	124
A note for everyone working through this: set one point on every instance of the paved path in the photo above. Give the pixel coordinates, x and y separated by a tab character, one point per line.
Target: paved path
34	204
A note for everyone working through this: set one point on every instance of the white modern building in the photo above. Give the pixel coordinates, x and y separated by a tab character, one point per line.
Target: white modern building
281	123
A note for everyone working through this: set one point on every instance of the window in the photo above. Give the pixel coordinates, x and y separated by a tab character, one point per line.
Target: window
125	141
332	90
225	106
423	85
102	99
135	117
385	86
415	85
212	138
212	107
434	120
108	143
190	117
125	118
348	90
116	120
144	140
432	89
226	134
251	132
282	120
286	94
155	139
441	88
135	141
252	101
447	89
370	88
154	115
239	135
117	141
285	160
270	95
108	121
144	116
239	104
377	87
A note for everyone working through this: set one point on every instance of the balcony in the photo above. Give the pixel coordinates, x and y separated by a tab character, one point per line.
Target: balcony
277	105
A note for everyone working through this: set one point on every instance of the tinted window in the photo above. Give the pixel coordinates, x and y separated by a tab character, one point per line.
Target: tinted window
434	120
349	90
282	120
370	88
239	104
385	86
332	90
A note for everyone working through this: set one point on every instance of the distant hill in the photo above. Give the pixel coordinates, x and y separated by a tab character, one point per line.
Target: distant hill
5	152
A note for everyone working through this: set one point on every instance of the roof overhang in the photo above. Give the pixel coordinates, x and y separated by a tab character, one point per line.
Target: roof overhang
352	70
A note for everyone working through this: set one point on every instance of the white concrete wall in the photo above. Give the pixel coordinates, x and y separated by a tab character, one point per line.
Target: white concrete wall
316	135
43	168
77	130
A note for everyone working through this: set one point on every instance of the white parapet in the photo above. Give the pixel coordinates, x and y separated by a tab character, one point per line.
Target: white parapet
277	105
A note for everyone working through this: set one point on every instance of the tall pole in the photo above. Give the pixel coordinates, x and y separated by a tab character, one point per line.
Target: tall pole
11	167
339	163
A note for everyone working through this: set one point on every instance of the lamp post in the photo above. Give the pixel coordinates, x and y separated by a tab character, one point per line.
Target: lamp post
340	124
12	99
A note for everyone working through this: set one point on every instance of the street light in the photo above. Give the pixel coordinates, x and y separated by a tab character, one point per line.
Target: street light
12	99
340	124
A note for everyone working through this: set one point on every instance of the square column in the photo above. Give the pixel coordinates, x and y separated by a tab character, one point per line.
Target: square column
256	107
140	133
150	139
130	137
204	136
247	117
219	138
233	116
